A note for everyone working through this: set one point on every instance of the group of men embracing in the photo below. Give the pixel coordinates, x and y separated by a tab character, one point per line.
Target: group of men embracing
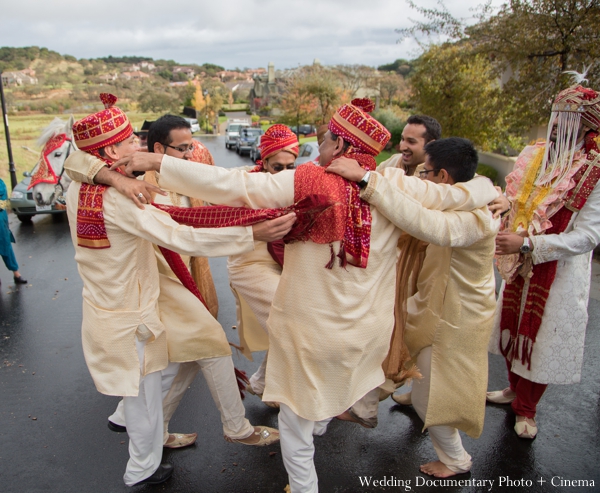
383	273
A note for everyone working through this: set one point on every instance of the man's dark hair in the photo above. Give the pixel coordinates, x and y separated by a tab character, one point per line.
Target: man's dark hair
335	137
433	129
102	151
161	128
457	156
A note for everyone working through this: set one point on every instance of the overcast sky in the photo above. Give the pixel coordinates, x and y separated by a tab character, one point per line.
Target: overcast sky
231	33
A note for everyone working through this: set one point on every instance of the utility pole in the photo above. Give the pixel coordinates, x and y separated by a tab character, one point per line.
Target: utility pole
206	110
11	162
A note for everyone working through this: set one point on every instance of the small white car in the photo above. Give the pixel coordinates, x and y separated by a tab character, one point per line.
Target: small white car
195	126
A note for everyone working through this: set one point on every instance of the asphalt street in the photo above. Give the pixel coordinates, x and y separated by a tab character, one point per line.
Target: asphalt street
54	438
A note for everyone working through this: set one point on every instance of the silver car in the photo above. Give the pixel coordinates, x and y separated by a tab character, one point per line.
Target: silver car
23	205
309	151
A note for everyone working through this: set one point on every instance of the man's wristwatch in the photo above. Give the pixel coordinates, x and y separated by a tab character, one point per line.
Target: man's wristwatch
365	180
526	246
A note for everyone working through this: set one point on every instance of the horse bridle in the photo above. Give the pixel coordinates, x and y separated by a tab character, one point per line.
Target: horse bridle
58	183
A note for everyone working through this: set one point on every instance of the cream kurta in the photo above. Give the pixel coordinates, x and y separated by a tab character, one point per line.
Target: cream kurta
121	285
454	307
329	330
254	278
192	332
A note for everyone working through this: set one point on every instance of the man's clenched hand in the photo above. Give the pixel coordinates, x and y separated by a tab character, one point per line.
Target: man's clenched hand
274	229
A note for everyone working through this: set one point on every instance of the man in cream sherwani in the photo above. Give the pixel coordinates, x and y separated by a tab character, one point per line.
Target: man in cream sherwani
123	338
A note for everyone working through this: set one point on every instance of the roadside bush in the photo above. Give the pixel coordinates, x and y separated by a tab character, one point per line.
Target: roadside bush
485	170
392	122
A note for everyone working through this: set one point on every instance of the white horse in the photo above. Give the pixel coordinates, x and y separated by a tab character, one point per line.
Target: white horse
49	182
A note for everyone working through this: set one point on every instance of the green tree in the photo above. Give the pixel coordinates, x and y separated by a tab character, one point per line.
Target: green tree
460	90
529	44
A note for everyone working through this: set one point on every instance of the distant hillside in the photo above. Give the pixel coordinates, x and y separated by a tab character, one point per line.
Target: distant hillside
41	80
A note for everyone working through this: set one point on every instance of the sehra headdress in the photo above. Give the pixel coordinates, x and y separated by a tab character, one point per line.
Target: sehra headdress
572	106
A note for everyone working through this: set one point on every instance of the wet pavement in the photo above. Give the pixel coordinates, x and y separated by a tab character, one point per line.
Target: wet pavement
53	434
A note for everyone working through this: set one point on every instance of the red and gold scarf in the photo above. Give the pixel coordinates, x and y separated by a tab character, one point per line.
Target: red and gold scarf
349	218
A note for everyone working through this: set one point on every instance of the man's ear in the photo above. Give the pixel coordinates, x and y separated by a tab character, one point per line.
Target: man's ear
444	176
159	148
339	147
111	152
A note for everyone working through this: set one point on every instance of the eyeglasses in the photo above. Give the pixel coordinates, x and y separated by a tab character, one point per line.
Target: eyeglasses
182	148
423	173
281	167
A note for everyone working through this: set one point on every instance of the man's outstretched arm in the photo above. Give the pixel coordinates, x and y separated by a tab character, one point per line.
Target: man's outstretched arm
214	184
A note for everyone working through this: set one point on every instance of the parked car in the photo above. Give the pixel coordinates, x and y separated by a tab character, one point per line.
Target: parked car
194	124
247	137
309	151
23	205
304	129
232	132
255	150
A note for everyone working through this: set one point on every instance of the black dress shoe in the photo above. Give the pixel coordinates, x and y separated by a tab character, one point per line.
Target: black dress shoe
164	472
20	280
115	427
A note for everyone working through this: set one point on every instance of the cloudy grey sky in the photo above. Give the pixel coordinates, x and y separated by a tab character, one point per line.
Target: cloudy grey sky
231	33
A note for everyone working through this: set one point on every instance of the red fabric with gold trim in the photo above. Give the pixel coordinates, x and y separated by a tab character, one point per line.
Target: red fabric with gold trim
106	127
359	128
44	172
91	231
278	138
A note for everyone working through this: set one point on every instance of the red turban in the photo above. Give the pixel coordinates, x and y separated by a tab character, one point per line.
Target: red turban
354	125
106	127
278	138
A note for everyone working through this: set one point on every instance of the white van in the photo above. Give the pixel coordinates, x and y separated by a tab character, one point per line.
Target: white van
232	132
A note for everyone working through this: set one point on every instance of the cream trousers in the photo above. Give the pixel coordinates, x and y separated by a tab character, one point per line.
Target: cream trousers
220	378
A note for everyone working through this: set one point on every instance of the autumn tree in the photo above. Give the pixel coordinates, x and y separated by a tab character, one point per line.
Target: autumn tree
298	104
354	77
391	86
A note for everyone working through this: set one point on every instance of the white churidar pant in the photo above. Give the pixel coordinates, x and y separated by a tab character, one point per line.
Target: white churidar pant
143	417
446	439
220	378
298	449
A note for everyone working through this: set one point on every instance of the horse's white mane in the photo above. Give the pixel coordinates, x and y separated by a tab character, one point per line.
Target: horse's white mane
56	127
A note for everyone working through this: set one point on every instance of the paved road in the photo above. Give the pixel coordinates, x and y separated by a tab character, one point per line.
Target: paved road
53	434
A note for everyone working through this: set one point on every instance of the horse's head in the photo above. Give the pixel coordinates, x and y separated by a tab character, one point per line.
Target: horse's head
48	182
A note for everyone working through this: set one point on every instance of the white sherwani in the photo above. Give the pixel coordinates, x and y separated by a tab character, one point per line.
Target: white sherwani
557	355
329	330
